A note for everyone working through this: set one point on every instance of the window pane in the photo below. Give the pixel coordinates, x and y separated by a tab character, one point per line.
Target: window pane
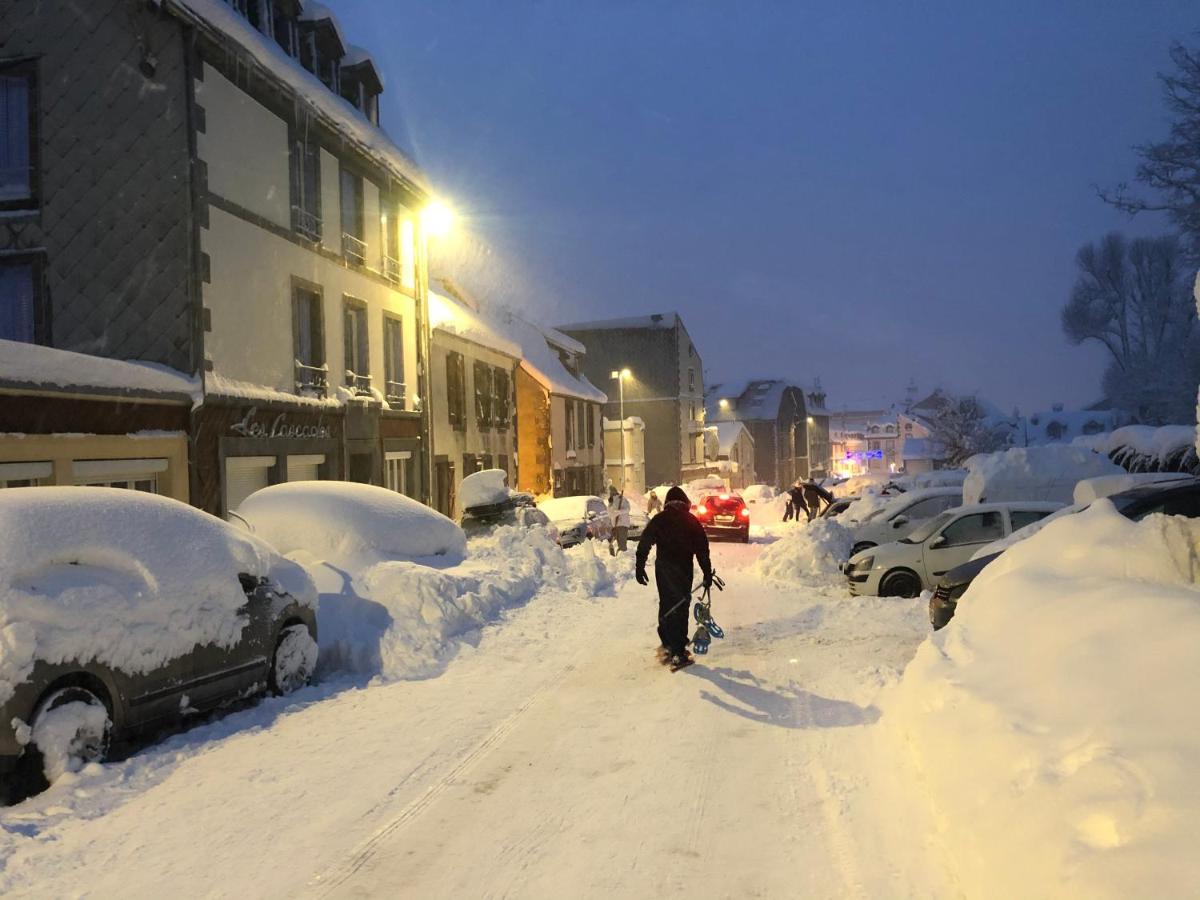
408	256
975	529
16	302
1022	517
15	175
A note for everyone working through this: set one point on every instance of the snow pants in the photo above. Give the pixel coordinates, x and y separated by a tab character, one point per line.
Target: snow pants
674	608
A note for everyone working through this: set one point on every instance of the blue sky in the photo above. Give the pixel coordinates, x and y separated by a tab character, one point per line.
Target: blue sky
864	192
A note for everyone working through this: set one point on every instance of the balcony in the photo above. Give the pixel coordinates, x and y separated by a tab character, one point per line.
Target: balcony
312	380
360	384
306	224
396	394
391	269
354	249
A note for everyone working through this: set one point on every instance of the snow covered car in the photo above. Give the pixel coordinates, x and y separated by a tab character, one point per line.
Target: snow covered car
838	506
915	563
121	612
903	514
724	516
487	502
578	519
1172	498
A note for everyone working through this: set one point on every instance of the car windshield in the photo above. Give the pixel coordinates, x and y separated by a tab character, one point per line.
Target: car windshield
929	529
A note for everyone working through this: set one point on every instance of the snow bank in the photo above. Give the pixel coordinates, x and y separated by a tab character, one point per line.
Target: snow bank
1055	724
812	551
1033	473
350	525
936	478
1090	489
401	620
484	488
758	493
130	579
871	503
858	484
1142	448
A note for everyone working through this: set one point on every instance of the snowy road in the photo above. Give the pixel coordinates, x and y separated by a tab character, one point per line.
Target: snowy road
555	758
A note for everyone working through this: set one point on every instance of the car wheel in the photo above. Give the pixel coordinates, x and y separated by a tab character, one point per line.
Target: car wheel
294	661
861	546
900	583
71	728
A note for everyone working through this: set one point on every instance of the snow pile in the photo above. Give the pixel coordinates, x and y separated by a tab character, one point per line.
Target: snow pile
698	487
130	579
59	732
1032	473
1056	722
870	504
858	484
936	478
350	524
1141	448
813	551
758	493
484	488
1090	489
399	619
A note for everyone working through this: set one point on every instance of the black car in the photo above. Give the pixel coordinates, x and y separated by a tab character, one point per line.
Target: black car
519	509
1175	498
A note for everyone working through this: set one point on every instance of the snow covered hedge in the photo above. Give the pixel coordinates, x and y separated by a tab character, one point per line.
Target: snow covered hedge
1055	723
1033	473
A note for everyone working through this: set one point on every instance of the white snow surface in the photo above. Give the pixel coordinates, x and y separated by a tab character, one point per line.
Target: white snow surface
1033	473
484	488
132	580
813	550
758	493
936	478
1089	489
1154	444
55	733
541	360
24	363
1055	723
455	317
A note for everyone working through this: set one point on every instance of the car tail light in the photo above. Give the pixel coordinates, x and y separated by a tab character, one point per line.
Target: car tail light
701	510
745	513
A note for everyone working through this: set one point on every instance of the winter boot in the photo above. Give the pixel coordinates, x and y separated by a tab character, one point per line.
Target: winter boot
681	661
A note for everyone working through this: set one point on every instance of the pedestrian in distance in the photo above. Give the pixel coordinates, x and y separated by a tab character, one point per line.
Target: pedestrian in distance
618	512
653	505
678	540
798	505
812	498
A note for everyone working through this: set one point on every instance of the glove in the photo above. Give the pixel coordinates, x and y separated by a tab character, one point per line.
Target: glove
708	581
641	576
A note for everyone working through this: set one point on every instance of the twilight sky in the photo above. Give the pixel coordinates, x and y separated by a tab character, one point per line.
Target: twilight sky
865	192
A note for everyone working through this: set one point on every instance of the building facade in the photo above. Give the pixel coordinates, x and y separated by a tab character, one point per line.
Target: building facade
868	438
263	238
664	388
734	454
625	454
776	414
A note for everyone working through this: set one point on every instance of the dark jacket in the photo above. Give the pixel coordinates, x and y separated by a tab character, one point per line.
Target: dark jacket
679	538
797	495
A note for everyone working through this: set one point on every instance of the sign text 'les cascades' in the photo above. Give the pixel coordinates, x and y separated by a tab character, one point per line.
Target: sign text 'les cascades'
279	428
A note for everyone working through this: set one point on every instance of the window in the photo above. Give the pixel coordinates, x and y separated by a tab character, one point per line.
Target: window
692	381
20	305
394	390
25	474
483	394
930	507
284	29
408	255
353	247
502	462
581	425
456	389
978	528
18	135
131	474
485	461
1022	517
358	363
591	426
501	398
471	464
389	228
397	474
570	405
306	188
308	332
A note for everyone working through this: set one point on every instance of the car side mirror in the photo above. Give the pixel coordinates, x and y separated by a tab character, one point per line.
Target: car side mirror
899	520
937	542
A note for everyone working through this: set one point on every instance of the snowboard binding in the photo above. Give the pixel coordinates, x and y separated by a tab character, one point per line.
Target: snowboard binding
706	627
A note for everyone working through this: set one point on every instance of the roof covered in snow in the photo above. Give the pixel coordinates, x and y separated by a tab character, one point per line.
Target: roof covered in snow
1065	425
654	320
727	435
349	121
747	400
542	361
34	367
452	316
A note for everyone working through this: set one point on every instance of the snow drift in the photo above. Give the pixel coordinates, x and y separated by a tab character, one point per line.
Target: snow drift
1033	473
812	551
132	580
1055	724
484	488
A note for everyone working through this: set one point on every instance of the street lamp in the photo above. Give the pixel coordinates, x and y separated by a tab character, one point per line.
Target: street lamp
808	424
437	218
619	378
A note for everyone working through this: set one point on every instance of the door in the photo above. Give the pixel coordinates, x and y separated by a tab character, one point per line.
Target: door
243	476
217	673
443	486
305	468
959	540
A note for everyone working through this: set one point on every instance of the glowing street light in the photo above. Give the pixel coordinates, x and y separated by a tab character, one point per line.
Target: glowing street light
619	378
437	218
723	403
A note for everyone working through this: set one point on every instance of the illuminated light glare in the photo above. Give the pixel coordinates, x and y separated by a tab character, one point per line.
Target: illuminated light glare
724	404
625	373
745	513
437	219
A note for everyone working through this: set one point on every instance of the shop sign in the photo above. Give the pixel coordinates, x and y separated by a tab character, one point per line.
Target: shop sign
279	427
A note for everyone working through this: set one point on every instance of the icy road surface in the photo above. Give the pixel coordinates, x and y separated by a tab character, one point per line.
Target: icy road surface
555	758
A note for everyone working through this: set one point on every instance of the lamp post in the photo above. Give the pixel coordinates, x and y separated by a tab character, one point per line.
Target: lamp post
808	424
620	377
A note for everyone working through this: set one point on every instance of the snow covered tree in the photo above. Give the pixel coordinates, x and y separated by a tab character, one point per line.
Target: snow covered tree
1171	168
964	427
1133	297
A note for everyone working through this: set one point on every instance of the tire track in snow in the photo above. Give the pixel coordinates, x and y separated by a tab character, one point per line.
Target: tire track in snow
360	857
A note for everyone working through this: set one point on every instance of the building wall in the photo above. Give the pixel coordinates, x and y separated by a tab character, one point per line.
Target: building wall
533	435
114	228
633	457
582	465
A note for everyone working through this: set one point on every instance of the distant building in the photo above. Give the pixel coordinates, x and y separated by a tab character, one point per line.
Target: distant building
626	467
866	437
776	414
1059	425
734	453
665	388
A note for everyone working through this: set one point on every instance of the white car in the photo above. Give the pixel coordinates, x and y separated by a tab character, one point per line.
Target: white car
902	515
578	519
915	563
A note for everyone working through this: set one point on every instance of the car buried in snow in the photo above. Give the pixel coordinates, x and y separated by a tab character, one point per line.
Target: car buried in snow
724	515
122	613
902	514
578	519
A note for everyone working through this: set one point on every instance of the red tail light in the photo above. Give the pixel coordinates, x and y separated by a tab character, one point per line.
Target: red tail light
745	512
701	510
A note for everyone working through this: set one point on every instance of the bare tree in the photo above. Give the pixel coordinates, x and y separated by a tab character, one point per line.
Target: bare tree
964	428
1171	168
1133	298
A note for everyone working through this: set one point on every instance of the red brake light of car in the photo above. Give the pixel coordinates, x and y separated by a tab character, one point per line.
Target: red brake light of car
745	512
702	510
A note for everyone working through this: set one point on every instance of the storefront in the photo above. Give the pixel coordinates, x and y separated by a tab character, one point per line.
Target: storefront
402	454
240	446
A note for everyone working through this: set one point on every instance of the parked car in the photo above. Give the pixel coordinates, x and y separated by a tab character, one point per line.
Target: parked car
724	515
125	612
915	563
902	515
837	507
638	521
578	519
1172	499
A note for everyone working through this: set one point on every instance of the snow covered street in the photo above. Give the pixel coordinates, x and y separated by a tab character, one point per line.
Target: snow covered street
554	756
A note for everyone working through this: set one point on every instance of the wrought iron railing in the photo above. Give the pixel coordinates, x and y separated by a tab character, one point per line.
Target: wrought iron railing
312	379
306	224
354	249
360	384
396	394
391	269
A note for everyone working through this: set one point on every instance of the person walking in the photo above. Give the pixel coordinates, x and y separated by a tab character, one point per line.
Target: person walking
797	494
653	506
812	498
618	512
678	539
